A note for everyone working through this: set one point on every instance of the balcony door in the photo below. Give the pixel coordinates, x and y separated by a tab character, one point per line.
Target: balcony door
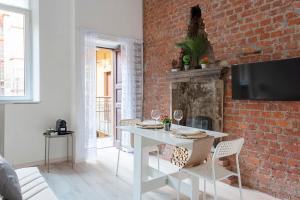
109	96
104	97
132	100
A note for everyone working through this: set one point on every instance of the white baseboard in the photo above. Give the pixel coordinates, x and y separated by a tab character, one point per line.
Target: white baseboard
40	163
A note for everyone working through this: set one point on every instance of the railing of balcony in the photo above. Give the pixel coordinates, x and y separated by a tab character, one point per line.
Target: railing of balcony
104	115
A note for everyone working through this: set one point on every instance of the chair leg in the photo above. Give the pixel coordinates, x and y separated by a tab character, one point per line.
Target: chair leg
215	191
204	190
158	165
239	175
157	153
118	161
240	186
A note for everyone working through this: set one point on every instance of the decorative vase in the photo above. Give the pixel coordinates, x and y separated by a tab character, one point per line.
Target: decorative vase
203	66
186	67
167	126
175	69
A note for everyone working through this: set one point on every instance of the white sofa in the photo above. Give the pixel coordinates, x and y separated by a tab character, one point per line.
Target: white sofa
33	185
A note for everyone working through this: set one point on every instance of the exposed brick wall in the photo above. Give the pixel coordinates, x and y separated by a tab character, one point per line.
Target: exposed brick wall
270	159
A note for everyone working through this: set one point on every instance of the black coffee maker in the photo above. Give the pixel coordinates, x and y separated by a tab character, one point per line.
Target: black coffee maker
61	127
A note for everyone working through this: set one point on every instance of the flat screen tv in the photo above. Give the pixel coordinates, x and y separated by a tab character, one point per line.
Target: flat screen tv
275	80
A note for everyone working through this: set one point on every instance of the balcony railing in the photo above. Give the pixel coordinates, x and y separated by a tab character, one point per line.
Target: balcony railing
104	115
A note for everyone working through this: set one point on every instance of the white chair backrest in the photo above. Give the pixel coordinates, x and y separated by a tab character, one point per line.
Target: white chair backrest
129	122
228	148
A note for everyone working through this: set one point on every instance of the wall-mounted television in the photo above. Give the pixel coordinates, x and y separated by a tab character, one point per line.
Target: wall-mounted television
277	80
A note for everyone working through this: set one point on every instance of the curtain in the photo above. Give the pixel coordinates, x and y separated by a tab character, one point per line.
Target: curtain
86	141
132	83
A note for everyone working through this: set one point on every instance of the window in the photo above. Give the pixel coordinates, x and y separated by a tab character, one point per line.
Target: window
16	3
15	52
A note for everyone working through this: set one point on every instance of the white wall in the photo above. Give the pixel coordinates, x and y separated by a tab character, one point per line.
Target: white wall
25	123
116	18
111	17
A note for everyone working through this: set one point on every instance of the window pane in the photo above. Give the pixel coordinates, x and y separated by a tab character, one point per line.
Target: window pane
16	3
12	64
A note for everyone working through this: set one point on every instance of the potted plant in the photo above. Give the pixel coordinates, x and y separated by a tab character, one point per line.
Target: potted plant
186	61
204	62
195	47
166	121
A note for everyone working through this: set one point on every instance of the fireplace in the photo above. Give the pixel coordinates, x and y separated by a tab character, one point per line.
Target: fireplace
199	94
199	122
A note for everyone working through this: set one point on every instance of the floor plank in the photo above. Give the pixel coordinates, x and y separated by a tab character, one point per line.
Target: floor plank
96	180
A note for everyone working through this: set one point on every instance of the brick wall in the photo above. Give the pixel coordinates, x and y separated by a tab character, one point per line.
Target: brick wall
270	159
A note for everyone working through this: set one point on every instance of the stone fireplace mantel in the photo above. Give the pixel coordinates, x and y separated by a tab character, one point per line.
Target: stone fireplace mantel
198	74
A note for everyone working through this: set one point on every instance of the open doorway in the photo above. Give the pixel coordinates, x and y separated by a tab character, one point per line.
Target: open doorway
110	88
104	97
119	76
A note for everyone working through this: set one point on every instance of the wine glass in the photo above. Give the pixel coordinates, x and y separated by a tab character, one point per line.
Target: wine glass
155	114
178	115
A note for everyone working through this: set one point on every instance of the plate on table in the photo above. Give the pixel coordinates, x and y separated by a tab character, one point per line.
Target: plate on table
150	124
188	133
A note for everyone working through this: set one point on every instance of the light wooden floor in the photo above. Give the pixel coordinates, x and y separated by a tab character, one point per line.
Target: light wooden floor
97	181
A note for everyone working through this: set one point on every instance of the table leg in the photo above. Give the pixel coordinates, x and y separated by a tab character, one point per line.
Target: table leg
72	152
45	150
137	177
195	188
48	146
67	148
141	164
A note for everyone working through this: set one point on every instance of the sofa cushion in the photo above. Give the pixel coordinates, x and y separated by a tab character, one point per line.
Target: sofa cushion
43	194
25	172
9	185
33	185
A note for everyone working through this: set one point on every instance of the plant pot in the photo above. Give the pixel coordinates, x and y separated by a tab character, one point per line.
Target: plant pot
203	66
186	67
167	126
175	69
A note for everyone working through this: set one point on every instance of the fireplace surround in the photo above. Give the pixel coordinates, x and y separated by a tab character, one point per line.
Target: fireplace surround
199	94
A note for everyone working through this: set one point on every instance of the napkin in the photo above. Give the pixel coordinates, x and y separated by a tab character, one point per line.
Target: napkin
150	124
188	133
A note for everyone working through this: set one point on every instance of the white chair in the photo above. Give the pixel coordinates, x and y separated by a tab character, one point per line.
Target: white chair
212	171
133	122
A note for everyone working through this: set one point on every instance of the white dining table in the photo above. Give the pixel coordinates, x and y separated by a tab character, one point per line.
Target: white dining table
146	178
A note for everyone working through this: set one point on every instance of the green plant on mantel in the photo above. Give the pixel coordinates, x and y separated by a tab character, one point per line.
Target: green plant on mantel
195	47
186	59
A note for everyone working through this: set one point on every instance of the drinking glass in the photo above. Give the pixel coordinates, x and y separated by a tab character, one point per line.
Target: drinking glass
155	114
178	115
